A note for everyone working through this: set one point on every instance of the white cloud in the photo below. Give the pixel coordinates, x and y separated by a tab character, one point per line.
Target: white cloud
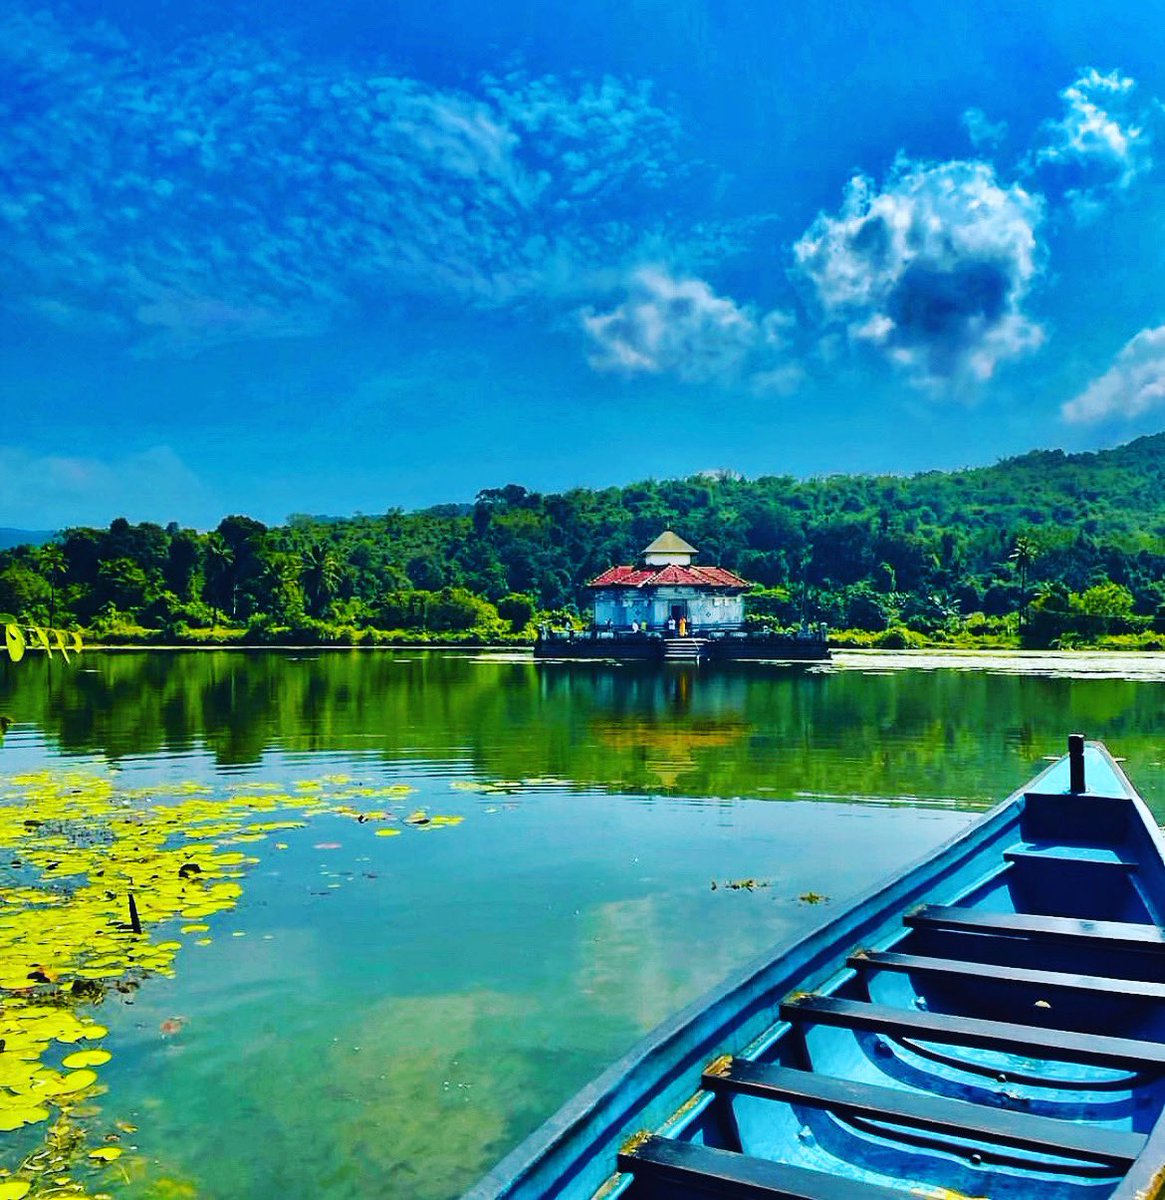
235	190
982	131
933	269
1099	146
43	491
1134	384
680	326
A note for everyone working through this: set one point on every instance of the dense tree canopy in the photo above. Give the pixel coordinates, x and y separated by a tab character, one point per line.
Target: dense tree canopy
1052	537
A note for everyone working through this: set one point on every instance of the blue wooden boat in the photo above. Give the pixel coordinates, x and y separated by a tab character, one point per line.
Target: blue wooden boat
991	1023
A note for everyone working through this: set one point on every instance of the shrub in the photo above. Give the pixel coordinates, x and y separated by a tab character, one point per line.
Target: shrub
518	609
859	639
899	637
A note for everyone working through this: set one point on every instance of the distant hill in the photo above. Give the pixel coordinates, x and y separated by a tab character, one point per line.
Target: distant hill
25	537
855	550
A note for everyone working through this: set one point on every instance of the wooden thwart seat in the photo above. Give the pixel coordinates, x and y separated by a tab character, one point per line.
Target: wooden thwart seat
1057	1045
937	1114
1066	930
918	964
1060	856
664	1164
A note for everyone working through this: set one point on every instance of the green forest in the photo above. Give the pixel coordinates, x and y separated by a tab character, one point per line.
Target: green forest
1045	550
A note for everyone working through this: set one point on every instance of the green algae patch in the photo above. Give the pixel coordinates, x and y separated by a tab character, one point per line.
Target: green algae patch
102	888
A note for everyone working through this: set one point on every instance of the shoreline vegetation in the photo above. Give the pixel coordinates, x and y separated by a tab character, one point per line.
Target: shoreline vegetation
1046	551
897	638
937	650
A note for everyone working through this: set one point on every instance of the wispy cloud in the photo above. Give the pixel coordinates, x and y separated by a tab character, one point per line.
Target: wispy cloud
932	269
1099	146
984	133
236	190
1133	385
40	490
680	326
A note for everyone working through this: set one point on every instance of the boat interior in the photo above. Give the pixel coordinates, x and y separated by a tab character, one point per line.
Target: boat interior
1005	1038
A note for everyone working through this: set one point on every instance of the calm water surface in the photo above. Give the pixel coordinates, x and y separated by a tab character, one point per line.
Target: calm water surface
388	1016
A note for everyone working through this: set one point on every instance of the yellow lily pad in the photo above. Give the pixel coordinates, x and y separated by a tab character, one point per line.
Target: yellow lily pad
13	1189
106	1153
14	1118
75	1081
87	1058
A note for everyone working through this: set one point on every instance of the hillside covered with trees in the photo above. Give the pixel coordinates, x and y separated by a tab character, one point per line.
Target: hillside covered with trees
1048	548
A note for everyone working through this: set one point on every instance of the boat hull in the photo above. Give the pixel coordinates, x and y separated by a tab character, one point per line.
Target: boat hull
927	973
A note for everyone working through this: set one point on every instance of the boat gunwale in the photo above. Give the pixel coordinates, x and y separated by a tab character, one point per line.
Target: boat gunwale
649	1083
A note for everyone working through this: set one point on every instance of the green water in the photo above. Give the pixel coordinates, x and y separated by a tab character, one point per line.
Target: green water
398	1012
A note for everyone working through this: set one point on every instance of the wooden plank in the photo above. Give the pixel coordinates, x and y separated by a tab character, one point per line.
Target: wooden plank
918	964
1067	856
937	1114
1118	935
669	1164
1056	1045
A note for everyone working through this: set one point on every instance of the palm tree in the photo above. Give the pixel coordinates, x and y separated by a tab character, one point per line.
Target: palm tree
280	578
220	574
320	576
1023	554
54	566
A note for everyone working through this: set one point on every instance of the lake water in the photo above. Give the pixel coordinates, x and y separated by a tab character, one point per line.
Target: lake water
503	877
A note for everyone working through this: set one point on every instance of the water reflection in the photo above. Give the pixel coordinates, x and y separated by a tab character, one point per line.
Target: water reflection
389	1016
943	736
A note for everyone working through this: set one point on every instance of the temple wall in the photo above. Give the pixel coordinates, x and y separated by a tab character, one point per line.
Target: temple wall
706	609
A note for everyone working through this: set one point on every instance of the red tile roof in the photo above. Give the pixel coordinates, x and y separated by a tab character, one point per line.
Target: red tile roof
670	576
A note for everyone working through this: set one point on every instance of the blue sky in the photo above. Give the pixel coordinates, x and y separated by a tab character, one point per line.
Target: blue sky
349	256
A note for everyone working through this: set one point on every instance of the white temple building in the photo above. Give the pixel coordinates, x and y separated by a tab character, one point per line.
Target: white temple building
669	593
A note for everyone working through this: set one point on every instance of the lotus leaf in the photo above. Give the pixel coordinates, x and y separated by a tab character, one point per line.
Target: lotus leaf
87	1058
13	1189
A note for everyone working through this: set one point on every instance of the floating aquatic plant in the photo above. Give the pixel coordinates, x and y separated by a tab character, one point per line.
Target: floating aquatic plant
97	882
